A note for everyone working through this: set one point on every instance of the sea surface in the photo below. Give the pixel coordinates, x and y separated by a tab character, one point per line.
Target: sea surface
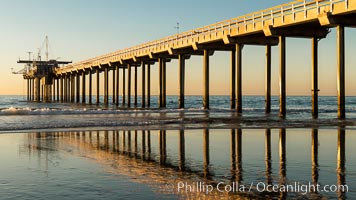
17	114
76	151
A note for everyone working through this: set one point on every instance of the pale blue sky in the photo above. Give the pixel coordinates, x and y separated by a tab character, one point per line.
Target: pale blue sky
82	29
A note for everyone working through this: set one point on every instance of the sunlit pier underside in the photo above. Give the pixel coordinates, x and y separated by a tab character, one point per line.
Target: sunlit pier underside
270	27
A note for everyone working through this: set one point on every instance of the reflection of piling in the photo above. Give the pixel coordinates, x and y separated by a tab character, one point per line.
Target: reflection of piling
181	150
341	162
90	138
143	142
162	146
98	139
149	144
239	155
315	164
123	141
233	153
114	141
129	142
206	152
135	142
268	156
282	155
282	160
83	136
117	141
106	140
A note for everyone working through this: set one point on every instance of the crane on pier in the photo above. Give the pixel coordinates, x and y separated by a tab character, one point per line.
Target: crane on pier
37	68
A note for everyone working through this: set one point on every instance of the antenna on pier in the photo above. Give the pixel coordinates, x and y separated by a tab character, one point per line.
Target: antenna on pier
46	48
28	66
29	55
177	27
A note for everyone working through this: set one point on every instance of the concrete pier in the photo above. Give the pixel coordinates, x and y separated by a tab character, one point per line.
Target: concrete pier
308	19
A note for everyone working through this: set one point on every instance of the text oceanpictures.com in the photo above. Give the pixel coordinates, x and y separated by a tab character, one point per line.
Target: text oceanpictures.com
236	187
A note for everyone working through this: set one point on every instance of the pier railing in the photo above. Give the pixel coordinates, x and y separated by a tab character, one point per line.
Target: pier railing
242	24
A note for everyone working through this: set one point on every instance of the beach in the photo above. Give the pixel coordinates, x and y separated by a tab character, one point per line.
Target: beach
93	151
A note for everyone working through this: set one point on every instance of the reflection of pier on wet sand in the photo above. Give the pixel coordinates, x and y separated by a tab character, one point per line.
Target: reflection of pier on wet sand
136	154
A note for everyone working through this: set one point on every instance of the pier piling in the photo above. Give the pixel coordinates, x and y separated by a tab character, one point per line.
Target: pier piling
117	85
239	77
143	82
268	80
181	62
90	87
106	86
233	80
315	89
282	76
123	87
129	85
206	80
97	86
341	71
83	88
148	85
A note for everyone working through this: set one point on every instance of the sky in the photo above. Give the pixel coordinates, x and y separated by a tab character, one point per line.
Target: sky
83	29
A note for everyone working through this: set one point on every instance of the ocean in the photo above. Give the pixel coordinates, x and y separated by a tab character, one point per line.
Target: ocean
18	114
76	151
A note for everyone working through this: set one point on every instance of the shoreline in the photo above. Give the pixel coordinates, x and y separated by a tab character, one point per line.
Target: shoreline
186	123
